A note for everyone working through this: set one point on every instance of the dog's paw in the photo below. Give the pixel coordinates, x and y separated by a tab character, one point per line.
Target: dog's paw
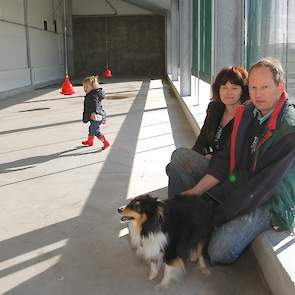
161	287
152	276
154	269
153	273
139	252
193	256
205	271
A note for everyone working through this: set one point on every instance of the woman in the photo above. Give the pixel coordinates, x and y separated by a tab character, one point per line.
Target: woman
229	90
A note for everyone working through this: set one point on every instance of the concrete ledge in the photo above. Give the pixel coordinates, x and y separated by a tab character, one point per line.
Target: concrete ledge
190	117
274	251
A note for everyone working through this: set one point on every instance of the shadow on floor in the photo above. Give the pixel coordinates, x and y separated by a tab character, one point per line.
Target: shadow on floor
91	234
23	97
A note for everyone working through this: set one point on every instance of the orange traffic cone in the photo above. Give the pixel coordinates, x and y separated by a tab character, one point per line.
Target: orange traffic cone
67	88
107	72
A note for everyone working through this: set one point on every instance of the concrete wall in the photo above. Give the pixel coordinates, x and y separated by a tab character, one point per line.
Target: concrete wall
136	45
30	56
135	37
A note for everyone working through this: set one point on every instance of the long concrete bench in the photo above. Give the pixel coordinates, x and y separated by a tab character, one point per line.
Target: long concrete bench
275	251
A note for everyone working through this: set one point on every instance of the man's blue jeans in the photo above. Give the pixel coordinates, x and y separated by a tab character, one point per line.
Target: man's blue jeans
228	241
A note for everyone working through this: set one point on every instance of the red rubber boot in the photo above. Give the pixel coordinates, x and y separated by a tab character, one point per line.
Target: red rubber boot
89	141
104	141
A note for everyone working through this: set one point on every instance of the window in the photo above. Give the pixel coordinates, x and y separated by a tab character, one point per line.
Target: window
202	26
55	26
271	33
45	25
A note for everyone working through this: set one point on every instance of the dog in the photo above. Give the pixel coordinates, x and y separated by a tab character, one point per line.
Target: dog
168	232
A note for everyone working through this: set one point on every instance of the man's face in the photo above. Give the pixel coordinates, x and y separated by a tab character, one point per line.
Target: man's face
264	92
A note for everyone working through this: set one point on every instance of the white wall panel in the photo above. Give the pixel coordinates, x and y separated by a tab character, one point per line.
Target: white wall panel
13	54
47	73
44	48
38	11
12	10
14	79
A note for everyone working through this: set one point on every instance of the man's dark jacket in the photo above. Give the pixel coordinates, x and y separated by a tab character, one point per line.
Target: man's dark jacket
273	177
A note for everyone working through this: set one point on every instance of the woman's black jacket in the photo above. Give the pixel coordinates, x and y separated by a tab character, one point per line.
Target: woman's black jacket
205	141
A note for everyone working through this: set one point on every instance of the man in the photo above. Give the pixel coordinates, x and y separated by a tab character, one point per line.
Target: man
253	180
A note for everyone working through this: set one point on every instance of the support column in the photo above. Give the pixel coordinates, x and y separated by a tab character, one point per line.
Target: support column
29	62
174	40
168	43
185	47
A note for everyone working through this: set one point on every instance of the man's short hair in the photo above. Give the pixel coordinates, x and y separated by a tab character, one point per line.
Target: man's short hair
274	65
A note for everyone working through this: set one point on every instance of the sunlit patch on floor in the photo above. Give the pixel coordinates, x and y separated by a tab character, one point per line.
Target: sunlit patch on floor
24	267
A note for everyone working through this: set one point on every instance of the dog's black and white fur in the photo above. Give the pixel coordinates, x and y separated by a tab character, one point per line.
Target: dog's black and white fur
168	232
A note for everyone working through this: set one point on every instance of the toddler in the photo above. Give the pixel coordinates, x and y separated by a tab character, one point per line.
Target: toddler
93	111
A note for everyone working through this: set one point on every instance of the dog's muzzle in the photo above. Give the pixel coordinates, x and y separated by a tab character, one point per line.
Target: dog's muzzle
126	219
120	210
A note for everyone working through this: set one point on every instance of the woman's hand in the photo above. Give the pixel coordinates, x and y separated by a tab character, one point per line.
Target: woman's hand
209	156
207	182
189	193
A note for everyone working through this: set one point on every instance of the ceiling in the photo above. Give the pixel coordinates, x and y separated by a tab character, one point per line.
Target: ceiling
157	6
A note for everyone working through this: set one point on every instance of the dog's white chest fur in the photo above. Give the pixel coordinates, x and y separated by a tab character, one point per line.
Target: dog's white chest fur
134	236
150	247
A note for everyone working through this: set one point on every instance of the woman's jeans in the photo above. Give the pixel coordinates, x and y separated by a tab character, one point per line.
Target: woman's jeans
228	241
94	128
185	170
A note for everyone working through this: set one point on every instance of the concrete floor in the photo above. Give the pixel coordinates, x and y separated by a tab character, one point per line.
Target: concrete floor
58	222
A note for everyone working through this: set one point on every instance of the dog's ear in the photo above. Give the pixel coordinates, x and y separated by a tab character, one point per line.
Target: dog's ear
147	196
160	210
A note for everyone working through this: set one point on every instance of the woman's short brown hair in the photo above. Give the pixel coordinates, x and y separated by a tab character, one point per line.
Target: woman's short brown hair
234	74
